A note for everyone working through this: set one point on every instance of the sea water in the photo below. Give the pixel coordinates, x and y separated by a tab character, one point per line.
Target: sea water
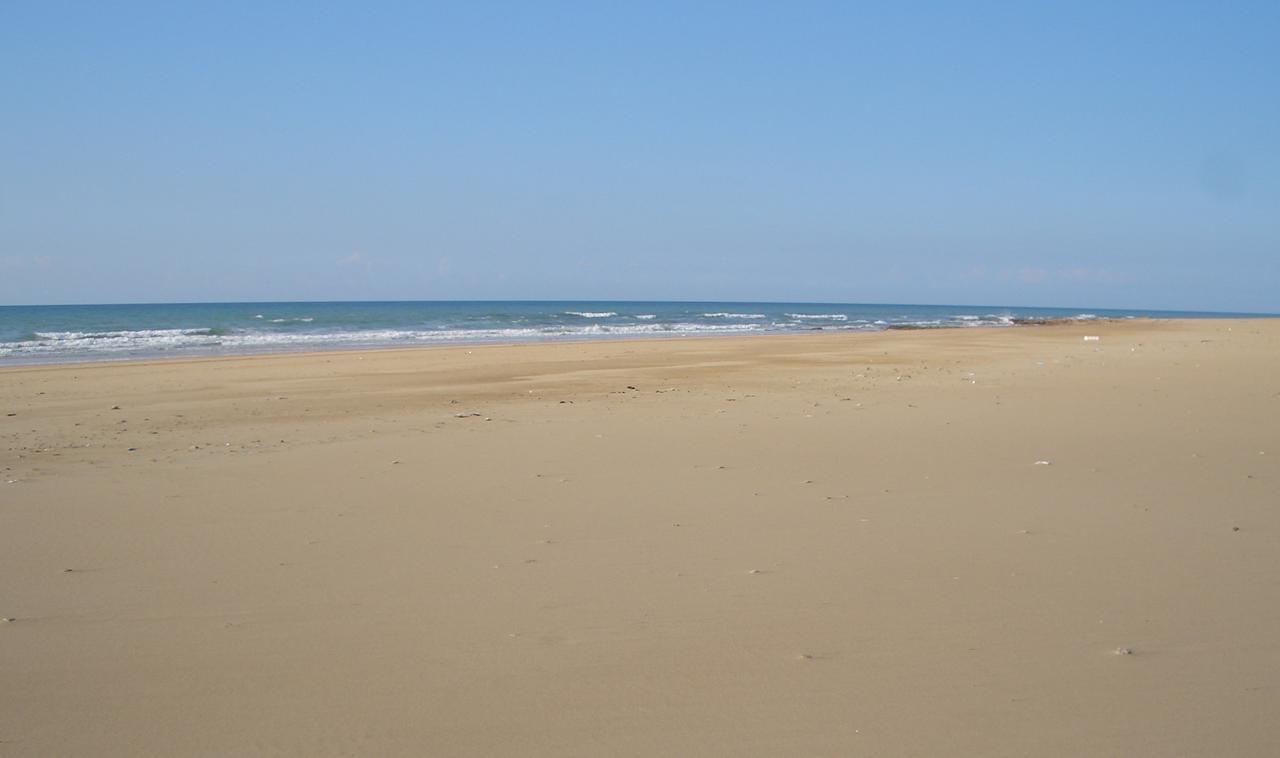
62	333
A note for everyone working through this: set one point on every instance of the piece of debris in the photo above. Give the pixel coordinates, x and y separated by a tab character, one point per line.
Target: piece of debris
1092	338
1043	463
1124	651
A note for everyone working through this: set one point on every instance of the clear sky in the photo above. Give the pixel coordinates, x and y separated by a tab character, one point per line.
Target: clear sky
1091	154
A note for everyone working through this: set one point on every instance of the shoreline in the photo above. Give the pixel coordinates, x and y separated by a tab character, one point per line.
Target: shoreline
77	334
608	339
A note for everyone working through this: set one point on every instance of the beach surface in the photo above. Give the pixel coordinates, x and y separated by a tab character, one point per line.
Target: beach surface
979	542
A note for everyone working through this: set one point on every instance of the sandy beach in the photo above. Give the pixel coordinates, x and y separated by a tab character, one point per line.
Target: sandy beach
979	542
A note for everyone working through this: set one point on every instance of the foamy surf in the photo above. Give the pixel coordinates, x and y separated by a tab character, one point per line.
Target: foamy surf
178	341
42	334
818	316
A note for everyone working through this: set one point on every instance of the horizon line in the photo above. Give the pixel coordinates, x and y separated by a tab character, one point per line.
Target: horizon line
682	301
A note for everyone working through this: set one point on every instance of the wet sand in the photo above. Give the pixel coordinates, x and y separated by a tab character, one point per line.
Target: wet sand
984	542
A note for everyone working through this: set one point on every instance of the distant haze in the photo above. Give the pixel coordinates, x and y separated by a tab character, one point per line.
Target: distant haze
1094	154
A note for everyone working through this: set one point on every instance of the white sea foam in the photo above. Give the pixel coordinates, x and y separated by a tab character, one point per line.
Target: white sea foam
989	319
51	345
819	316
55	343
122	334
271	332
694	328
958	320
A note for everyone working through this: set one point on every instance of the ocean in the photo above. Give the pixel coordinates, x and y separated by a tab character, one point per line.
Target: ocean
65	333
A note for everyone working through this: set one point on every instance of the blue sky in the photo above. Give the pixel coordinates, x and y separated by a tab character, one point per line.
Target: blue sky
1091	154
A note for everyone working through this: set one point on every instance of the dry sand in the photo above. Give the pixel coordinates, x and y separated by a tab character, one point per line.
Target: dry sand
799	545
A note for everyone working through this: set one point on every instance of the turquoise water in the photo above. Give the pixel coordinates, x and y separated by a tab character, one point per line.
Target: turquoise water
60	333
